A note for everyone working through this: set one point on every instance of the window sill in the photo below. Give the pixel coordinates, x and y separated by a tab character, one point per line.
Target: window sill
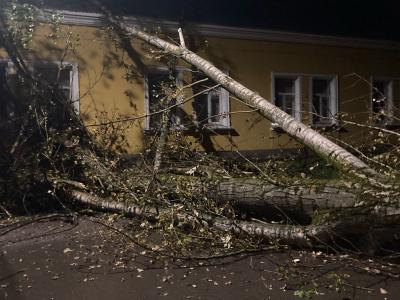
151	131
212	130
318	127
192	130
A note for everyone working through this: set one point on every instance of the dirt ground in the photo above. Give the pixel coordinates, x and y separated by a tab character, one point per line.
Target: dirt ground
54	259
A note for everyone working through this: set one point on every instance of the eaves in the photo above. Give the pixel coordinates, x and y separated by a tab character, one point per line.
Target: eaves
95	19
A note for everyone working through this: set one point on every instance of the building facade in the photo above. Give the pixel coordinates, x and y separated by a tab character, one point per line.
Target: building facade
317	79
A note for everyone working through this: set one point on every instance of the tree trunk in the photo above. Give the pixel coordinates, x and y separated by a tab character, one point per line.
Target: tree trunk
325	148
297	203
162	141
361	233
299	236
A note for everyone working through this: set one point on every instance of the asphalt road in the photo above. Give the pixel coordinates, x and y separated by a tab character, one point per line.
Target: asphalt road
53	259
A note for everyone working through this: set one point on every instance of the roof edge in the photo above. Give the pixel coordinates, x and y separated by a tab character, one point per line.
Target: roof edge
95	19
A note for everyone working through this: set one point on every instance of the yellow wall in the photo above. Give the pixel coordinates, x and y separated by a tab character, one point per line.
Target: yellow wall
103	86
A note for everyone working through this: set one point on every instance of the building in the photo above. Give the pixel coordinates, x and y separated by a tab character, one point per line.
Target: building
316	78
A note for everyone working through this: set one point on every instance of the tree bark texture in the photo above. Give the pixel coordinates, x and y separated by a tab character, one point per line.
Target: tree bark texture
299	203
162	141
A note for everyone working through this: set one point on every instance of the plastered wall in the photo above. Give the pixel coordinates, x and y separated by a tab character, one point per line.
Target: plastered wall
106	85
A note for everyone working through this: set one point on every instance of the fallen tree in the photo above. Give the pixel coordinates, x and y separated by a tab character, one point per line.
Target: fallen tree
353	232
40	152
299	236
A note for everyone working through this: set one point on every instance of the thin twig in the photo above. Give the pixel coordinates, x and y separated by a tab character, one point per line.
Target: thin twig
21	224
206	257
357	287
156	112
6	211
12	275
371	127
181	39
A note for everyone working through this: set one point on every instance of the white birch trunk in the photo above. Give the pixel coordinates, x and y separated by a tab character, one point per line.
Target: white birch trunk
368	230
263	199
302	236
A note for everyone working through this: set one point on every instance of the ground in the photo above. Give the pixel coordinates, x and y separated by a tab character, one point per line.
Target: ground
54	259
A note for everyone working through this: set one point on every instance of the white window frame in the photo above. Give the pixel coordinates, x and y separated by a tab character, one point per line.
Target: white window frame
297	90
389	103
178	82
333	99
74	77
224	109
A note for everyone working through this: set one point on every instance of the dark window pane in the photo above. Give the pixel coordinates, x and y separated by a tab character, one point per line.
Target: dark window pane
47	73
324	111
284	85
288	101
214	107
159	86
321	101
65	77
207	106
2	73
321	86
381	90
285	94
7	106
156	82
378	96
200	106
54	75
66	92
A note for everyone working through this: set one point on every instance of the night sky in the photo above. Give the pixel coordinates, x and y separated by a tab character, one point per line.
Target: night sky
356	18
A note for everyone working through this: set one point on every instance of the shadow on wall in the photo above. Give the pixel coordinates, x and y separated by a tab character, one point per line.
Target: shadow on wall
119	53
138	69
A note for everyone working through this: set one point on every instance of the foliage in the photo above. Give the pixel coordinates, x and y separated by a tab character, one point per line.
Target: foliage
20	20
39	127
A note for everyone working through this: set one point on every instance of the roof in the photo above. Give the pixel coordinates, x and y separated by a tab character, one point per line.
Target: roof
350	18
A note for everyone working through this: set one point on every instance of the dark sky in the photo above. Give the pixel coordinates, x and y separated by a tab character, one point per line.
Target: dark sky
357	18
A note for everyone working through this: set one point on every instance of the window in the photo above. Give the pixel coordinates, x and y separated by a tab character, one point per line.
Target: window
324	100
63	76
382	99
286	94
8	90
160	86
212	107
